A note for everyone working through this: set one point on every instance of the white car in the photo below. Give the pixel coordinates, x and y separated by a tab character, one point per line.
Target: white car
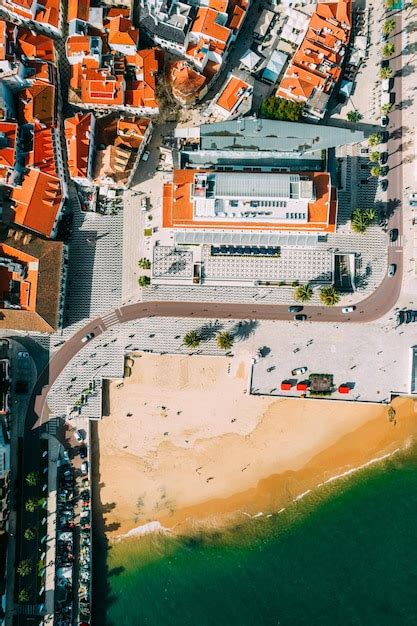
84	467
299	370
79	435
87	337
348	309
146	155
23	355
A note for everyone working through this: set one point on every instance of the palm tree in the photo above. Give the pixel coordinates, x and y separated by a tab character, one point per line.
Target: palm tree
144	281
389	26
23	596
387	108
32	479
388	50
370	215
354	116
374	156
29	534
30	505
374	139
361	219
225	340
24	568
303	293
385	72
375	170
329	295
192	339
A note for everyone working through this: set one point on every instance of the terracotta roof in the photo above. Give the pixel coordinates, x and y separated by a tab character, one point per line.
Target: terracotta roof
142	91
186	83
41	71
36	46
317	63
37	103
78	44
43	284
121	32
78	10
7	41
219	5
99	86
42	154
48	12
8	132
77	134
231	94
206	24
178	210
37	201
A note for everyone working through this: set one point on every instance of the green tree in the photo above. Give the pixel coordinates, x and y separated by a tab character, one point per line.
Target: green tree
30	505
385	72
389	26
376	170
374	139
388	50
374	156
29	534
329	295
389	4
24	568
192	339
32	479
225	340
303	293
274	108
144	281
23	595
354	116
387	108
144	264
361	219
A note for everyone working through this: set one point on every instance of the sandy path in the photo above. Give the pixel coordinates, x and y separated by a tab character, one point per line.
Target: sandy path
198	450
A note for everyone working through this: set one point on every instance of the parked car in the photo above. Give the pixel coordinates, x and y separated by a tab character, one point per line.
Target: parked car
84	467
412	199
384	121
87	337
146	155
79	435
348	309
383	184
295	309
393	234
23	355
83	452
383	158
384	136
392	269
300	318
299	370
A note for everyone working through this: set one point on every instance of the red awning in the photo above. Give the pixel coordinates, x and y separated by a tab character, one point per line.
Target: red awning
344	389
285	386
301	387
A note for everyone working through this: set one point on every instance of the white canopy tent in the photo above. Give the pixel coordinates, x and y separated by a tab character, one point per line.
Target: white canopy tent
250	59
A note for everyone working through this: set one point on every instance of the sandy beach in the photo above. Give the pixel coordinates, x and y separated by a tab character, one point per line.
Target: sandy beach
186	447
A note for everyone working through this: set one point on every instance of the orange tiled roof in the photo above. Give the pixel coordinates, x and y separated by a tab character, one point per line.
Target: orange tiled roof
42	71
78	10
219	5
48	12
230	95
37	201
8	132
206	24
186	83
77	134
37	103
141	92
37	46
178	207
116	11
99	86
198	51
78	44
28	284
121	32
7	41
42	155
317	62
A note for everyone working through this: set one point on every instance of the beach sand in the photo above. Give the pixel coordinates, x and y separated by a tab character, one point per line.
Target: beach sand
186	446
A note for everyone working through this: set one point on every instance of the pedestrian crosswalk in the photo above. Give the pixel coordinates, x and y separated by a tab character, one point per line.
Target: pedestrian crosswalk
398	243
110	319
52	426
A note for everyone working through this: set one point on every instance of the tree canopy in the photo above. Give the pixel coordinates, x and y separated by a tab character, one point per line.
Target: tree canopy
225	340
329	295
303	293
192	339
280	109
361	219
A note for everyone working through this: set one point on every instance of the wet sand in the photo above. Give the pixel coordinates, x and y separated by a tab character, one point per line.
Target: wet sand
187	447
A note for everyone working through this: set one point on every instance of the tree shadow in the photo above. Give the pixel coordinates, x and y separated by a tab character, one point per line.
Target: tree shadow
210	330
405	104
407	70
243	330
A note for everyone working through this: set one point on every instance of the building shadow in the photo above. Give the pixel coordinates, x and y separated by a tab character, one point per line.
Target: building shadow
80	277
101	593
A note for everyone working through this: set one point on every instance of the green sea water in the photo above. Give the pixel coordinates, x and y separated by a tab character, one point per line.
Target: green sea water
344	555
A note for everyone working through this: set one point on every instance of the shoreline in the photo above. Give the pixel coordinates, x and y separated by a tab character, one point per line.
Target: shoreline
212	453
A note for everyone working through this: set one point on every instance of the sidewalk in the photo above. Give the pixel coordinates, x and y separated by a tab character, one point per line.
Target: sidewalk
53	453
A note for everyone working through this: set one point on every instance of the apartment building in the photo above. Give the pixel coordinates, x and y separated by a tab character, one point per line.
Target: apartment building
316	67
79	135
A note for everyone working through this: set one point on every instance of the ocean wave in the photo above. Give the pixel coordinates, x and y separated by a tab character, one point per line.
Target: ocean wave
145	529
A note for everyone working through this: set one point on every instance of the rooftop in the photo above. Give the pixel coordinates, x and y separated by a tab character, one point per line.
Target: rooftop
232	93
78	136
